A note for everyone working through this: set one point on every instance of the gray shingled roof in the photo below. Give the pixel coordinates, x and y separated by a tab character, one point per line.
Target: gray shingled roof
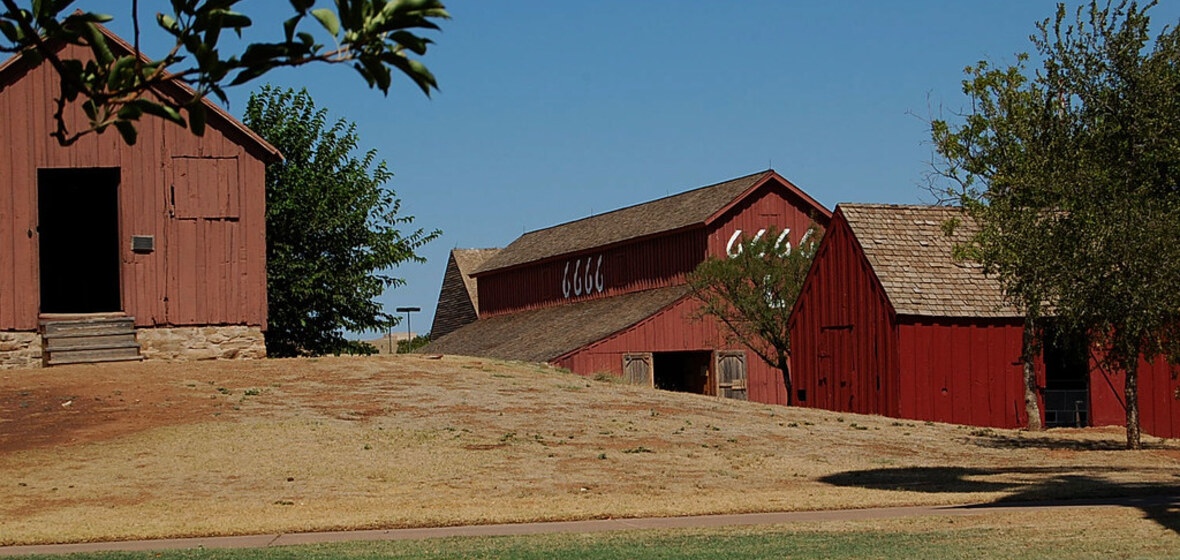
540	335
665	214
913	260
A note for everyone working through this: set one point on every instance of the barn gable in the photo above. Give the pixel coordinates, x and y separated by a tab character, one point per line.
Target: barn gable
16	67
458	301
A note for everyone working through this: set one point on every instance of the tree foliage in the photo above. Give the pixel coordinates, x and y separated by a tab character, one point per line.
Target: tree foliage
1072	172
753	292
332	228
375	37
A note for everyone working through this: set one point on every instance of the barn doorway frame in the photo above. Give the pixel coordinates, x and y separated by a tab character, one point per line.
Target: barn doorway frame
78	240
689	371
1066	356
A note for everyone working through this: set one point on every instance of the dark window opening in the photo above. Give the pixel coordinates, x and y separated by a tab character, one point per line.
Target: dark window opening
801	395
1067	378
685	372
78	227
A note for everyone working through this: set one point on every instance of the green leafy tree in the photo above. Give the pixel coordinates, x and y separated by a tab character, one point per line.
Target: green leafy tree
1072	173
409	346
375	37
752	294
331	229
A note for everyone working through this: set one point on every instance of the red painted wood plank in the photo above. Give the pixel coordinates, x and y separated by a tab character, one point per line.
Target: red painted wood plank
147	280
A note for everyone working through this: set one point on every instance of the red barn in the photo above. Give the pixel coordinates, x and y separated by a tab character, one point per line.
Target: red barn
607	294
111	252
888	322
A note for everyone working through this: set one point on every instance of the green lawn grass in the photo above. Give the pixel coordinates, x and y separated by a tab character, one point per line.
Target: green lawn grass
732	543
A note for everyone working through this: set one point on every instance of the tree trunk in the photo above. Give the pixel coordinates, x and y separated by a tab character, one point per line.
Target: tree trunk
785	366
1028	354
1132	396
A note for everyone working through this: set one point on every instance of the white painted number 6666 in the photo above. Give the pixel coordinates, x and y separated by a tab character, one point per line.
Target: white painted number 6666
583	282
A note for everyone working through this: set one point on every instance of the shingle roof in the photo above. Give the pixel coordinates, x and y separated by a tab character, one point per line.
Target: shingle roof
540	335
468	261
665	214
458	300
912	258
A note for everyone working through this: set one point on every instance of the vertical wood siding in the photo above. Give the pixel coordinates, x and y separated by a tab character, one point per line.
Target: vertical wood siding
852	353
209	263
964	371
633	267
1159	405
772	205
843	335
674	329
644	264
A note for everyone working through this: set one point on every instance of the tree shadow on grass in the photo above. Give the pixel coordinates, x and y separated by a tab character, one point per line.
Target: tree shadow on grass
987	438
1039	486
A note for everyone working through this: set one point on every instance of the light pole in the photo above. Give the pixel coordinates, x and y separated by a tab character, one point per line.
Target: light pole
407	311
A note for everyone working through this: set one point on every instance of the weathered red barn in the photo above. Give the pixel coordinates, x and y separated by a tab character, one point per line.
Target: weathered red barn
109	251
607	294
888	322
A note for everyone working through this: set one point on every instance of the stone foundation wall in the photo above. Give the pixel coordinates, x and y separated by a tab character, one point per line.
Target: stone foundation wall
201	343
20	350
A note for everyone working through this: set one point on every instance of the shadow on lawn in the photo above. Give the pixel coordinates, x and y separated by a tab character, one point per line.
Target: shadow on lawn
999	441
1039	486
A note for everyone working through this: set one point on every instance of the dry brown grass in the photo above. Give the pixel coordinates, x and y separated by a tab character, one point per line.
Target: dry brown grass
154	450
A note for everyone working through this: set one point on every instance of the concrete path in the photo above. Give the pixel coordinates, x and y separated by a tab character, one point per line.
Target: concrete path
699	521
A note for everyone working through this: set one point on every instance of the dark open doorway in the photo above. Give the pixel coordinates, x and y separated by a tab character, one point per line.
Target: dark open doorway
78	226
1067	378
686	372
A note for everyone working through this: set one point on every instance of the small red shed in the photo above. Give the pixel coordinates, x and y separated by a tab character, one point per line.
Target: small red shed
889	323
110	251
607	294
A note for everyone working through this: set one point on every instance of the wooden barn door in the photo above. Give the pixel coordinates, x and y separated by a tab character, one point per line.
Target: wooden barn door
637	369
731	375
204	242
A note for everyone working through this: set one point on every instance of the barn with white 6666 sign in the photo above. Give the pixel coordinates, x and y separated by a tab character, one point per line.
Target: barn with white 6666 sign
607	293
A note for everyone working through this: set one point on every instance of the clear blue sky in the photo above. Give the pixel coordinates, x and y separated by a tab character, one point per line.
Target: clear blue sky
551	110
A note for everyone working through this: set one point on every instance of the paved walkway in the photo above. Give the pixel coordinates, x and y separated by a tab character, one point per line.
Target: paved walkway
698	521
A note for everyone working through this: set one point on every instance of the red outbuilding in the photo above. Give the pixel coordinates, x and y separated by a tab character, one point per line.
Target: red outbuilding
607	294
110	251
888	322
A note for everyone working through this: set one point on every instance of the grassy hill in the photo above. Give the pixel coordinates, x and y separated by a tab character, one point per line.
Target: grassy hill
119	451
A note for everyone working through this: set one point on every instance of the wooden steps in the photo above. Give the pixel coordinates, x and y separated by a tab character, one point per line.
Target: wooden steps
83	340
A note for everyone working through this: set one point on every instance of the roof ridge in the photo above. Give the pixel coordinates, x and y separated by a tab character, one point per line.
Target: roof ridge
892	205
652	201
